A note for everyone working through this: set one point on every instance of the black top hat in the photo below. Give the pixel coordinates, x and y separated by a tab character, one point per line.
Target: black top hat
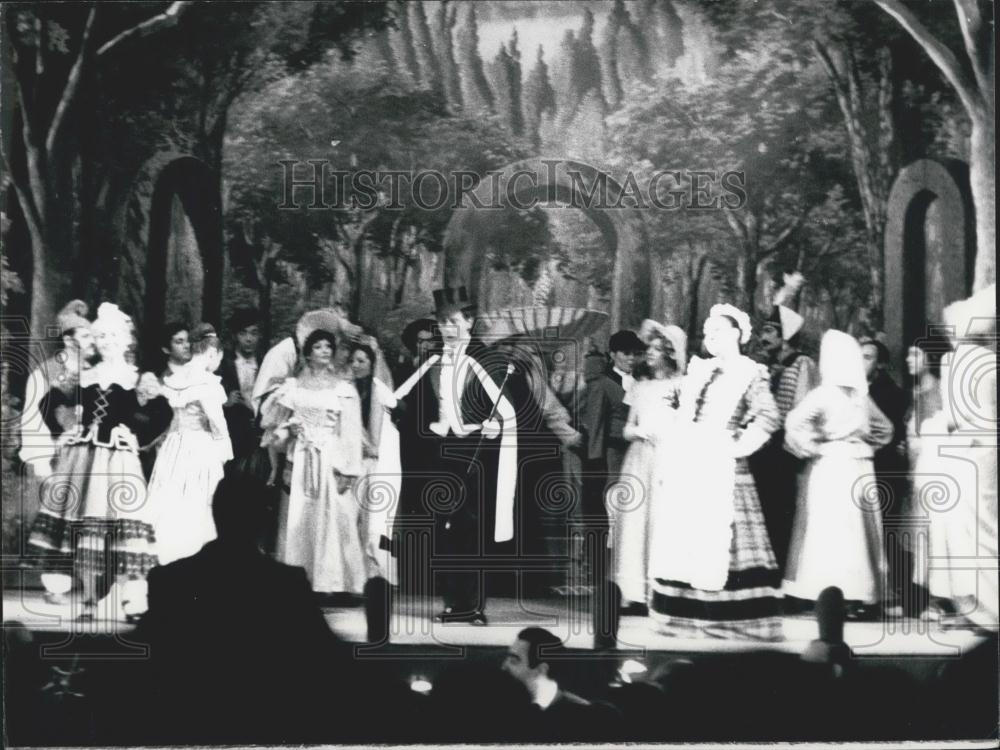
453	297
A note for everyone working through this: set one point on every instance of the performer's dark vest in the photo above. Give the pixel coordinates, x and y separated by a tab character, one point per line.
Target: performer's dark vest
421	449
424	407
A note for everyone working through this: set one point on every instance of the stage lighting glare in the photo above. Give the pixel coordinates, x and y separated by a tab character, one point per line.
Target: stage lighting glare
420	685
632	666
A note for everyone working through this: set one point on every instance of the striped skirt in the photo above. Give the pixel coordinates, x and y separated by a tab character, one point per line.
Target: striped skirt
749	607
94	514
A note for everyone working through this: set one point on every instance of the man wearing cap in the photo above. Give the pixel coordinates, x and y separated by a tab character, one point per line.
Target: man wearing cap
604	413
59	372
776	471
468	483
603	418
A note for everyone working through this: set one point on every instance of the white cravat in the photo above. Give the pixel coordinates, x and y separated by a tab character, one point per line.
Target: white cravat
627	380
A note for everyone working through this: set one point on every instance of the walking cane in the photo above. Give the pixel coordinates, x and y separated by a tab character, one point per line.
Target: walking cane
493	413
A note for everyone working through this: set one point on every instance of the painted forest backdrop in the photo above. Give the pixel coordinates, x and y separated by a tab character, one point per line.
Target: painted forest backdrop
140	144
818	103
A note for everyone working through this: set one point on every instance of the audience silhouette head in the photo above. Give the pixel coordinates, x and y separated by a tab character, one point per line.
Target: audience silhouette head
238	508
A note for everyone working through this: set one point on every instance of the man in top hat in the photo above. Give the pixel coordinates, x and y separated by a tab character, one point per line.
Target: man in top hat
776	471
468	482
59	374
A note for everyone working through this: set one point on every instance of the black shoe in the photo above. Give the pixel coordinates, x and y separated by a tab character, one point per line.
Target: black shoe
448	614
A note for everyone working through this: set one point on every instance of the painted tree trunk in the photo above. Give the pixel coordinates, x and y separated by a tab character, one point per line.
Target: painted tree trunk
982	176
52	272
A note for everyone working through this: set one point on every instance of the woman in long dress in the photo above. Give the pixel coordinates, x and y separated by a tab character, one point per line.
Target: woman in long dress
837	535
95	505
378	488
190	461
632	500
957	486
317	417
714	572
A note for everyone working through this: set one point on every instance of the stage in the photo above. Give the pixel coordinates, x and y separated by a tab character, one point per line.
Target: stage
569	617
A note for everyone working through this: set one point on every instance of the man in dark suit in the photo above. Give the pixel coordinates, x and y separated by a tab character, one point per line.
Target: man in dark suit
468	482
890	463
238	650
238	371
565	716
604	415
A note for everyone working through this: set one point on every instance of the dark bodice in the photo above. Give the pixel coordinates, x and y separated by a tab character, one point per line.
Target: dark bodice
108	408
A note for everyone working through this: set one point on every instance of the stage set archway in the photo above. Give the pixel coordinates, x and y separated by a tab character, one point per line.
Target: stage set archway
930	249
553	181
183	264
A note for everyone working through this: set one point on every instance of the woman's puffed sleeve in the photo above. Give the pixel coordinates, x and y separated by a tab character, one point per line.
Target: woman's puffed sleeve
212	400
880	429
762	416
802	437
275	412
149	421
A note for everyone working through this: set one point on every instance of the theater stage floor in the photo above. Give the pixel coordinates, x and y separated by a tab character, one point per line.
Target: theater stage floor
412	626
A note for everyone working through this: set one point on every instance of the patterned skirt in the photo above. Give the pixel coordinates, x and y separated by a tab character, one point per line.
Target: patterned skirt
94	514
749	607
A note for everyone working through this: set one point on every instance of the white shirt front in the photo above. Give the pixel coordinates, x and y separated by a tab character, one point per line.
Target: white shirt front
627	380
246	373
454	367
545	692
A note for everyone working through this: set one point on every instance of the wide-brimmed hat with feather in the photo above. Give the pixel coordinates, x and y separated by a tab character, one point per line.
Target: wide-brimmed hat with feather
325	319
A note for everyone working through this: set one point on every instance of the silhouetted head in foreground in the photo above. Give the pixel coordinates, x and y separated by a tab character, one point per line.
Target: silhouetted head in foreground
238	508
